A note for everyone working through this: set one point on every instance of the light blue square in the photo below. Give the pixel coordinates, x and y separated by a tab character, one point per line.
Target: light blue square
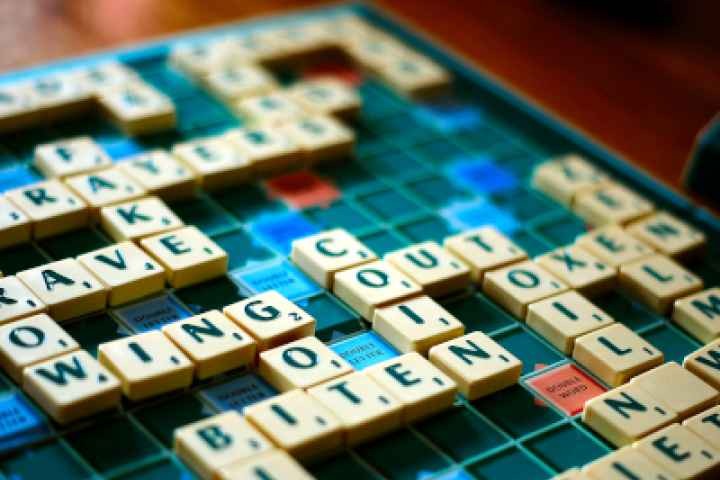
281	276
152	314
238	393
364	350
478	214
279	230
19	422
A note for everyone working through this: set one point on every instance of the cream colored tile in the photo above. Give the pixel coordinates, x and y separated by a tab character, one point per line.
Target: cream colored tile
15	226
579	269
375	50
105	75
70	157
139	108
705	363
236	81
105	187
147	364
520	284
322	255
626	463
484	249
269	149
706	425
215	161
658	281
299	41
269	110
416	324
566	177
56	95
31	340
699	314
432	267
327	96
612	203
66	287
16	108
613	245
272	465
321	138
139	218
415	75
72	386
17	301
571	474
669	235
200	58
615	354
160	174
681	452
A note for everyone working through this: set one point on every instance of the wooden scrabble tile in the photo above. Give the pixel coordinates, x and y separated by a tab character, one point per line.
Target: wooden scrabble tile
327	96
678	388
16	108
564	178
216	442
15	226
302	363
375	50
669	235
484	249
200	58
299	40
269	110
271	319
520	284
17	301
432	267
102	76
415	75
139	218
699	314
416	324
138	108
321	138
213	342
215	162
126	271
615	354
705	363
478	364
658	281
66	287
253	47
626	463
235	81
611	203
275	464
570	474
706	425
565	317
160	174
626	414
613	245
324	254
147	364
188	255
420	386
72	386
51	207
31	340
57	95
372	285
103	188
70	157
298	424
365	409
579	269
269	150
679	451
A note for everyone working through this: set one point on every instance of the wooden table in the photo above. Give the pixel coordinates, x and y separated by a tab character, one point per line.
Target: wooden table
643	83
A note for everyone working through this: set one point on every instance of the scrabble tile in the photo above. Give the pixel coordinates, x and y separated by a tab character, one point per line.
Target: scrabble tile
300	40
520	284
215	161
372	285
678	388
139	108
484	249
139	218
682	453
420	386
298	424
188	255
57	94
615	354
415	75
321	138
253	47
416	324
31	340
15	226
579	269
375	50
103	188
611	203
563	318
271	319
435	269
658	281
626	463
70	157
564	178
66	287
706	425
147	364
324	254
613	245
218	441
213	342
669	235
102	76
269	150
72	386
234	81
275	464
365	409
269	110
478	364
16	108
200	58
571	474
126	271
17	301
327	96
705	363
160	174
51	207
302	363
626	414
699	314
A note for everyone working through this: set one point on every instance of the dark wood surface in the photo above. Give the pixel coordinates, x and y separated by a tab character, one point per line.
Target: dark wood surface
641	81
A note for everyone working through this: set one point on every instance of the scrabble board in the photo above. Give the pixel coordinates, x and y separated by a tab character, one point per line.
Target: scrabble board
229	170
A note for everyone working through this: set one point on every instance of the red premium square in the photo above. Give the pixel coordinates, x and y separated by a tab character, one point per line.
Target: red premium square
302	189
567	387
